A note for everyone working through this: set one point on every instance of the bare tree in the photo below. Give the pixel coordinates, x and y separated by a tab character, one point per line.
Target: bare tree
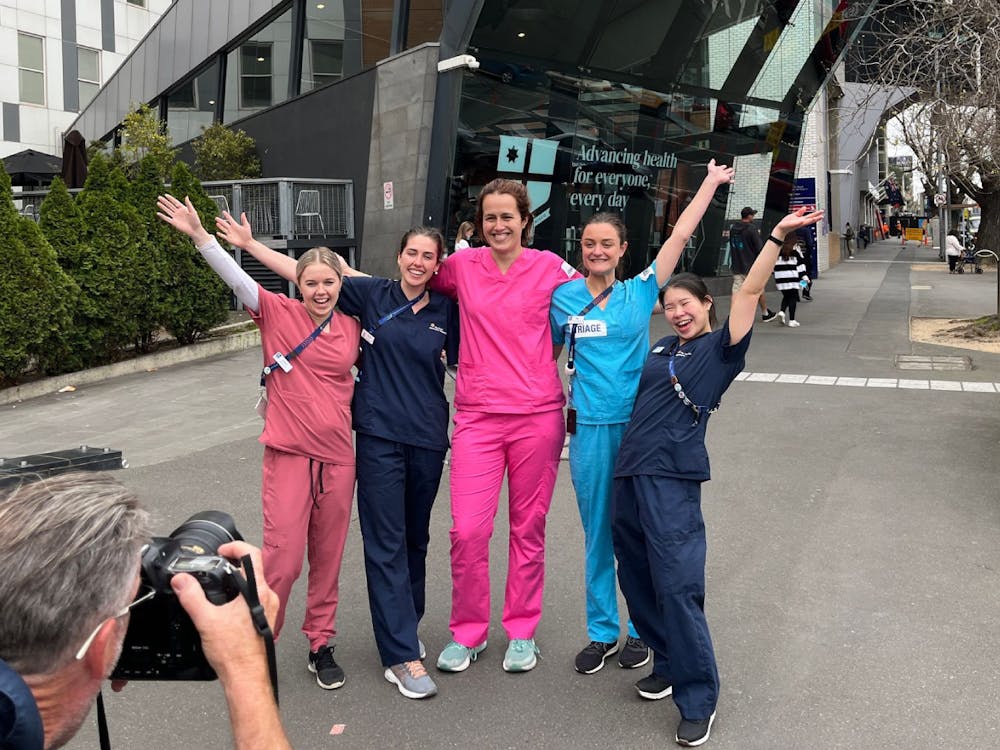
945	56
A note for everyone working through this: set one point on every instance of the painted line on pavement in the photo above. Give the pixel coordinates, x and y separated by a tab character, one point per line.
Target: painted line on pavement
854	382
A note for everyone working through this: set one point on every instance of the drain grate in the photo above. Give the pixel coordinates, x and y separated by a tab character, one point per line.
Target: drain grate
930	362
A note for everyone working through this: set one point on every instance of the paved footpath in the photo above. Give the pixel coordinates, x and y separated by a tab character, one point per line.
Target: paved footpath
854	548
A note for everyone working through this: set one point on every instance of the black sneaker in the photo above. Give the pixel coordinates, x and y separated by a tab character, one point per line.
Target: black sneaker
693	733
806	297
653	687
768	316
329	676
591	659
635	653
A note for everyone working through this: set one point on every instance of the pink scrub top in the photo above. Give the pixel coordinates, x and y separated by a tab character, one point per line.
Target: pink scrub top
309	408
505	363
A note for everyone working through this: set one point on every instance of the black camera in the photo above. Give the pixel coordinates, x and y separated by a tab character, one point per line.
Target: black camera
162	642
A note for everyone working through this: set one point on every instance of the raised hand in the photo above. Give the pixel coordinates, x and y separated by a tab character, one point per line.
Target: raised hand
719	174
181	216
798	219
235	233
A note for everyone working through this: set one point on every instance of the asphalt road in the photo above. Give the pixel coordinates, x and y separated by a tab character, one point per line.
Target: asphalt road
854	548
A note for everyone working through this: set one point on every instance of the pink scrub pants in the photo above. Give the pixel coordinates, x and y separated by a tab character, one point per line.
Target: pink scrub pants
484	446
306	501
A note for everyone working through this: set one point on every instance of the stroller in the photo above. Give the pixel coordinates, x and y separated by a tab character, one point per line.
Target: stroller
968	257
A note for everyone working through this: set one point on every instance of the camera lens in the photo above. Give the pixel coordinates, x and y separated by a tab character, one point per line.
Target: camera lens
203	533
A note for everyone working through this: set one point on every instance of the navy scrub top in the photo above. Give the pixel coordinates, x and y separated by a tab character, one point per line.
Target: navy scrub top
400	392
20	723
663	438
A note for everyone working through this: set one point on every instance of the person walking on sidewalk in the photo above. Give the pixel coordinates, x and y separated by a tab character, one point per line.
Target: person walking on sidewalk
789	277
953	249
308	477
508	420
744	247
658	528
606	325
849	238
400	417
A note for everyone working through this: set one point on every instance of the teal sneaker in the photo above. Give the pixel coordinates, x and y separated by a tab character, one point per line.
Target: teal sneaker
521	656
456	658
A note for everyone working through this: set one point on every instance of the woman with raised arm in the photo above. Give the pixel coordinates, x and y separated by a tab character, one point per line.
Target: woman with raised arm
605	323
308	477
657	526
401	420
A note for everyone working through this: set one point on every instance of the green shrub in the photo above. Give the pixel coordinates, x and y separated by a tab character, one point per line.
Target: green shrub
35	295
109	255
196	298
224	154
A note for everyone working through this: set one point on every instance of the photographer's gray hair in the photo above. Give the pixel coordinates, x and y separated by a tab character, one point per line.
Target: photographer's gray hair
69	552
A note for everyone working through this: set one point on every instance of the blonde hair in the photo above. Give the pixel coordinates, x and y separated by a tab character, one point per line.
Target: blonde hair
323	255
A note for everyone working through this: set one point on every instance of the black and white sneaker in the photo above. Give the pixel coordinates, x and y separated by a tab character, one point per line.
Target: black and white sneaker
591	659
693	733
634	654
329	675
653	687
768	316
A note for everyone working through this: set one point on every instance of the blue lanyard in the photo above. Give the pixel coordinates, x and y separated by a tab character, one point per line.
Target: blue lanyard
268	369
679	389
571	353
398	311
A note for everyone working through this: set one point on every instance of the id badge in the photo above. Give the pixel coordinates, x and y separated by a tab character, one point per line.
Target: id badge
282	362
571	420
576	320
368	336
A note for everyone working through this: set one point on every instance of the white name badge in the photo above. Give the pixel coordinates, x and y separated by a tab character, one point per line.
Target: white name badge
367	336
575	320
591	329
283	363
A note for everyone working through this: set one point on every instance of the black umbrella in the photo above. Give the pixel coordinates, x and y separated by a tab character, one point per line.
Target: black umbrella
30	168
74	160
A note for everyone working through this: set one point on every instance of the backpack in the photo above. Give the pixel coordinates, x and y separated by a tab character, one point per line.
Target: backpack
736	242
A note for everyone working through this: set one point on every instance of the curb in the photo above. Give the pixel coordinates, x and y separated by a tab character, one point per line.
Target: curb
202	350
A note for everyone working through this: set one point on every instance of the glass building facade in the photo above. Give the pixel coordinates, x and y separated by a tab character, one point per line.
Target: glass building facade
619	106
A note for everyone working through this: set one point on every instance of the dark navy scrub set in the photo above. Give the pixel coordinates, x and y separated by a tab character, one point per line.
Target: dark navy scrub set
657	524
400	415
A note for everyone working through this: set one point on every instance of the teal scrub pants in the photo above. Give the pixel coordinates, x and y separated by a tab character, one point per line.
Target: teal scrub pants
592	453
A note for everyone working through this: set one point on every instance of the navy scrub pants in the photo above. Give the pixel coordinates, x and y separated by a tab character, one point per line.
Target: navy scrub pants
659	538
397	484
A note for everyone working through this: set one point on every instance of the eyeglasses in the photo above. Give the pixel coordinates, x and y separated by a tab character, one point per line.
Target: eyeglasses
144	594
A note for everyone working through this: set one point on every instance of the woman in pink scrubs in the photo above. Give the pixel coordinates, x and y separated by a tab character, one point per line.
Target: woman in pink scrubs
508	420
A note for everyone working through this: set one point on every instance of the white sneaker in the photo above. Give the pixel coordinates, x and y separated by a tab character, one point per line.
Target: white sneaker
793	324
781	317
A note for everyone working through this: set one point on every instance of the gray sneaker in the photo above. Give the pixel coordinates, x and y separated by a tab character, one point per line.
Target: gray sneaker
412	679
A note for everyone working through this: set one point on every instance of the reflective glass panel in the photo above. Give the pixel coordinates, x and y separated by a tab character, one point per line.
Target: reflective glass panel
191	105
257	70
323	55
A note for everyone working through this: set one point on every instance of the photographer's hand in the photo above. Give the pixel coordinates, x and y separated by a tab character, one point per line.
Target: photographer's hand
236	652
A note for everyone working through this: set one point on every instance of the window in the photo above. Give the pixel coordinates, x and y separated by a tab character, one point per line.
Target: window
191	105
31	68
327	61
88	73
255	75
140	3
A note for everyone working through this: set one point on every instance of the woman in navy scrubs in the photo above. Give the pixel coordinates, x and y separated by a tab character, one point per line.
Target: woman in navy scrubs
400	417
658	529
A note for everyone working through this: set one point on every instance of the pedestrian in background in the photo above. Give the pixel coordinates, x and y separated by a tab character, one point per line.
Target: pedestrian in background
790	276
307	486
849	238
465	230
606	325
658	528
744	247
953	249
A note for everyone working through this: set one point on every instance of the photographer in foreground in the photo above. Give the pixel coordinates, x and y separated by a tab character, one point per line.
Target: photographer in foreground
69	574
